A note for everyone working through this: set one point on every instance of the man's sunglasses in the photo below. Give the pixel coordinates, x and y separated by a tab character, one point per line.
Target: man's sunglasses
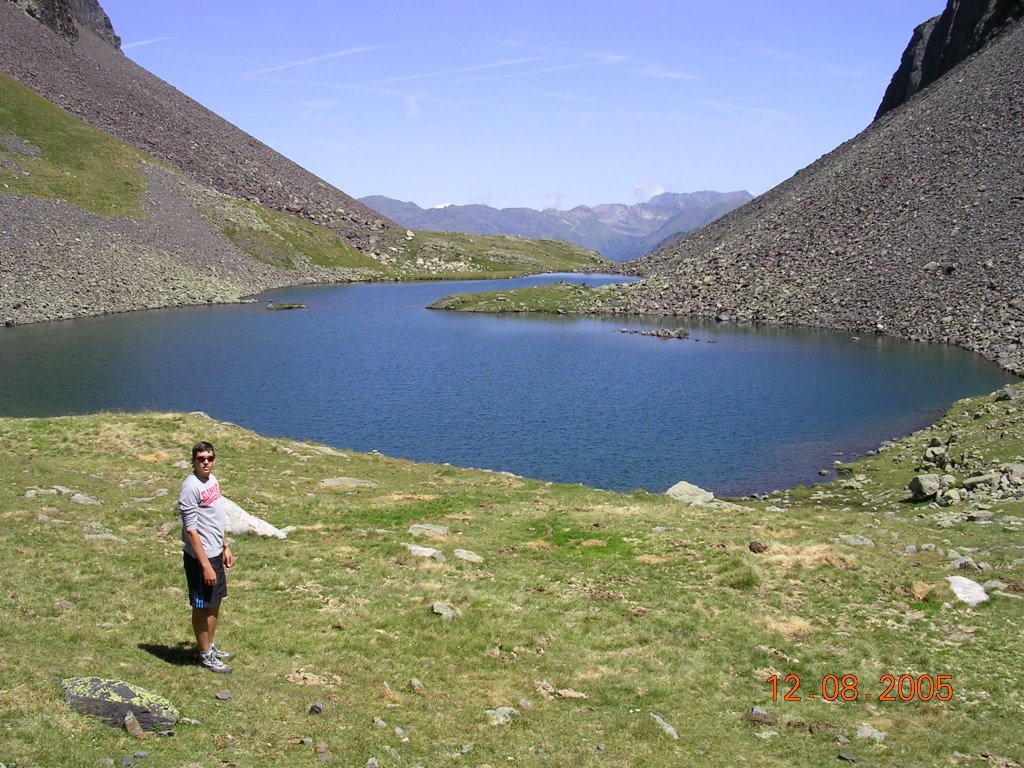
203	459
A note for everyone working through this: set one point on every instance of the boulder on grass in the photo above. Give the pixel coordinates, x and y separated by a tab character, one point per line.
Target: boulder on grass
237	522
111	700
690	494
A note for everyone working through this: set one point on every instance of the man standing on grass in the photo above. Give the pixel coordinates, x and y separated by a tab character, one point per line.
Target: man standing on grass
207	554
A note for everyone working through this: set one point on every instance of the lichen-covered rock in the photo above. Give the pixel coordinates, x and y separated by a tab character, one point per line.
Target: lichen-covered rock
111	700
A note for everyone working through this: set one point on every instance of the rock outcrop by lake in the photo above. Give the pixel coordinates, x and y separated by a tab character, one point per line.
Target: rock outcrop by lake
913	228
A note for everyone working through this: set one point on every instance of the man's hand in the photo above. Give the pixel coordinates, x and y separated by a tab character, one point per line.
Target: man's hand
229	557
209	575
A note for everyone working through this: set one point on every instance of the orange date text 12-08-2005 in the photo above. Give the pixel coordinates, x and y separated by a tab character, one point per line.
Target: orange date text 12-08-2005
847	688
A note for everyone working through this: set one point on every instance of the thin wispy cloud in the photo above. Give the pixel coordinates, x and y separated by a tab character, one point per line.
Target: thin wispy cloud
460	71
526	72
140	43
577	99
315	59
660	73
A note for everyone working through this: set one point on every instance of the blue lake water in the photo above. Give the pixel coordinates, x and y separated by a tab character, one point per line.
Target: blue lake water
733	409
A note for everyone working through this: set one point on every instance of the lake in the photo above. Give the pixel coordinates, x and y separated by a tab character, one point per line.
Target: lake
733	409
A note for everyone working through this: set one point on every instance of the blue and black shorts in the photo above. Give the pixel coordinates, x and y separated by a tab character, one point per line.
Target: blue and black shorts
201	595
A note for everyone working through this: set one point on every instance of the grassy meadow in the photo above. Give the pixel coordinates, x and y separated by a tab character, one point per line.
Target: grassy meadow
623	629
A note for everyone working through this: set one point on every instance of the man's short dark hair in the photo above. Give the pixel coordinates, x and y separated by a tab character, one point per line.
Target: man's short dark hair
203	447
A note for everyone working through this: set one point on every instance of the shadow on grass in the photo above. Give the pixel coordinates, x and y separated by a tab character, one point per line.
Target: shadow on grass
182	654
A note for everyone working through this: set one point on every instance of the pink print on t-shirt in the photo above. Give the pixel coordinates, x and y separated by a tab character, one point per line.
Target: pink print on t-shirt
209	495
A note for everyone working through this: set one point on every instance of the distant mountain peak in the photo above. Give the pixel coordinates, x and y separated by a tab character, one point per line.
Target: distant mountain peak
616	230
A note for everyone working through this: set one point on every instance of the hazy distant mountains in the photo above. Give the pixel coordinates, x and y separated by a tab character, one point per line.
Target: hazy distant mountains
616	231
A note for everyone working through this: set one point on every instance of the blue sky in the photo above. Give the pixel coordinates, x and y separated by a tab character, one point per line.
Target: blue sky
536	103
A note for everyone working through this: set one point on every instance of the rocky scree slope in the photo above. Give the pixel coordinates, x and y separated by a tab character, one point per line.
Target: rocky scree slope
89	76
914	228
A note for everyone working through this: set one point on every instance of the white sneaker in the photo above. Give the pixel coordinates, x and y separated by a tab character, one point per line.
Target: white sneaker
212	663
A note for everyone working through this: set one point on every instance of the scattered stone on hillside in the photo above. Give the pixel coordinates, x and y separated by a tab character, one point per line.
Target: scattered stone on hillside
966	590
690	494
757	547
131	724
416	686
418	551
427	529
316	708
445	611
223	695
668	729
379	723
469	557
95	532
569	693
855	540
759	716
324	450
81	498
347	482
501	715
866	731
111	700
924	487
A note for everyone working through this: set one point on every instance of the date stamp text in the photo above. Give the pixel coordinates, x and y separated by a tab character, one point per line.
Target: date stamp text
848	688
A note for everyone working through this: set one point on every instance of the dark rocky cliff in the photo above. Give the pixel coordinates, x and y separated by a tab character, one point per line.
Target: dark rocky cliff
914	228
940	43
65	17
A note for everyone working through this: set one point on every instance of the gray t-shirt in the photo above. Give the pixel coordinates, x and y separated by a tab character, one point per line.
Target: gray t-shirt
202	511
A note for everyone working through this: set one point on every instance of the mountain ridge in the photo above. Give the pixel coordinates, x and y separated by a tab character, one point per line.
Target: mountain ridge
616	230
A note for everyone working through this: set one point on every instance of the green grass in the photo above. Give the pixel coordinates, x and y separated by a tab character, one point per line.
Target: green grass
66	159
633	600
559	298
281	240
475	256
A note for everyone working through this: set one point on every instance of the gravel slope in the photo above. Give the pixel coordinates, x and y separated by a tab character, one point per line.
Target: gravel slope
914	228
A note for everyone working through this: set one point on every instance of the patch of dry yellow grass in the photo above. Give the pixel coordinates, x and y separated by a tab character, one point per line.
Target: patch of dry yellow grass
793	628
539	545
653	559
810	556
